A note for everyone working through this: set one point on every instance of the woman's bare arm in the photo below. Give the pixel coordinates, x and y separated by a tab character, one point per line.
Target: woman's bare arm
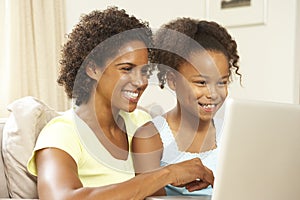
58	179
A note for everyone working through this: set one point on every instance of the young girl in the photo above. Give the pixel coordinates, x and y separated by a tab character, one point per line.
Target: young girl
84	154
196	59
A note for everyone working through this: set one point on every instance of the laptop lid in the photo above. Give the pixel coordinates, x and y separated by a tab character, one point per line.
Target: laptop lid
259	152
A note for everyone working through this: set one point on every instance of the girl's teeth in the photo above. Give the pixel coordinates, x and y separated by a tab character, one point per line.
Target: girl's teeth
209	106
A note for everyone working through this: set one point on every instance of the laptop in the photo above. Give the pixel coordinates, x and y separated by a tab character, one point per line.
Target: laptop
259	153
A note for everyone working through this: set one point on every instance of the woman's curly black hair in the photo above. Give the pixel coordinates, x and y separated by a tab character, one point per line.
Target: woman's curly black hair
175	41
97	37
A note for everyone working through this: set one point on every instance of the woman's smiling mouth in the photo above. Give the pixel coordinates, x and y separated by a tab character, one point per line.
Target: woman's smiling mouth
130	95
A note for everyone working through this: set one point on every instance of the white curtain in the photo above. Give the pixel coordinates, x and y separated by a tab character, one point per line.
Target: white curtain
31	36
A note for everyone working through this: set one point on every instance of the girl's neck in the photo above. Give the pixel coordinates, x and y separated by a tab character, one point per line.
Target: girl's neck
184	120
190	132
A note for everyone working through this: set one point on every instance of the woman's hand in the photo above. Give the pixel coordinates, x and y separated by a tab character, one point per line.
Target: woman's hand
191	174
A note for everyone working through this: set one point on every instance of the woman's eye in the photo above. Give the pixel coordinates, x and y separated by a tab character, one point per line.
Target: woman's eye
127	69
201	83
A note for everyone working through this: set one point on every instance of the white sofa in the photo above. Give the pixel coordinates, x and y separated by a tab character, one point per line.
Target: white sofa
5	189
18	134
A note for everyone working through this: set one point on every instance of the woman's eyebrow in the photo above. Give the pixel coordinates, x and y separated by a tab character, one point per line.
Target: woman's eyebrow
125	63
130	64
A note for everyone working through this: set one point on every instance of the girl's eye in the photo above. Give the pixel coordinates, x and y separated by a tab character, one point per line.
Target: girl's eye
223	83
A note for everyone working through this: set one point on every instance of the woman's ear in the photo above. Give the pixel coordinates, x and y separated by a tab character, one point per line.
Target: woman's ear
171	80
92	70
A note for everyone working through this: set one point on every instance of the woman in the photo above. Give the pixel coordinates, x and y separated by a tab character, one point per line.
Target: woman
196	59
84	154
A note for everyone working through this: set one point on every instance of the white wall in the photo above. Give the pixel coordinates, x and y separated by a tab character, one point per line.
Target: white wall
271	70
268	56
297	57
156	12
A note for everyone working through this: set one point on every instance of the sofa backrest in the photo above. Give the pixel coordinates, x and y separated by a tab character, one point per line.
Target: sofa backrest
3	183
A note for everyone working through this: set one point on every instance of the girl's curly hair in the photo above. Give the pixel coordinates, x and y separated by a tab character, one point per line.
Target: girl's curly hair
97	37
175	41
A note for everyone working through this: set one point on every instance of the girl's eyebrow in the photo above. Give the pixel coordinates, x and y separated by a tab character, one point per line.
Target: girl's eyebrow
226	76
205	76
200	75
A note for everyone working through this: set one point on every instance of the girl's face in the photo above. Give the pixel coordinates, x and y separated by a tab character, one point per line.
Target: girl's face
201	84
124	79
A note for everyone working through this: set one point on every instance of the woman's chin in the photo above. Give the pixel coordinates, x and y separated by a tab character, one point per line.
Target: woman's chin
129	108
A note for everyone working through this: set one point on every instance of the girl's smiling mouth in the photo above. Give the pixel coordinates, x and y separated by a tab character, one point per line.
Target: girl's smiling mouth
208	107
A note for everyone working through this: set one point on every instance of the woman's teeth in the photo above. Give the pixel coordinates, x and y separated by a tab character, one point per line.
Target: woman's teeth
131	95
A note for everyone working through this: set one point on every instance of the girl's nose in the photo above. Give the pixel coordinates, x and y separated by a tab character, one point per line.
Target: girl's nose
211	92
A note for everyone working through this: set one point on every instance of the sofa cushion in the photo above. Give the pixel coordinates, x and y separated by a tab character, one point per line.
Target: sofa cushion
28	116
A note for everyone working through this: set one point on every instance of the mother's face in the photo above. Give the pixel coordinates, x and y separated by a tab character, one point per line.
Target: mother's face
125	77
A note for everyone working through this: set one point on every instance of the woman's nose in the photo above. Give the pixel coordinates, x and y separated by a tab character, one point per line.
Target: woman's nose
138	79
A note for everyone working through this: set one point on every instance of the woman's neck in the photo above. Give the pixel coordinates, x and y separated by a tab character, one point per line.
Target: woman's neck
96	111
108	127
